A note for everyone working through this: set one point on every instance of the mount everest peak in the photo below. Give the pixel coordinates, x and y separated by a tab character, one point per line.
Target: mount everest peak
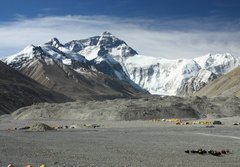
54	42
112	56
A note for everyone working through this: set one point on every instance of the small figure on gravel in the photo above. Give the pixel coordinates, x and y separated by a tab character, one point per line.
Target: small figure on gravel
43	165
10	165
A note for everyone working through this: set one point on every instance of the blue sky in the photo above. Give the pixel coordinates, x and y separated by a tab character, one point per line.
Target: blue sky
122	8
162	28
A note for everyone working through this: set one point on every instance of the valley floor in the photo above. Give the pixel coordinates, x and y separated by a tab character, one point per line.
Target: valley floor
122	143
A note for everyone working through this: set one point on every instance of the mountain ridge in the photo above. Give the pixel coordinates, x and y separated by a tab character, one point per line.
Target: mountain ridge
113	57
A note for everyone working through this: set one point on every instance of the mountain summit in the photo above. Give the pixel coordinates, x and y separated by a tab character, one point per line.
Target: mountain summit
63	70
54	42
111	57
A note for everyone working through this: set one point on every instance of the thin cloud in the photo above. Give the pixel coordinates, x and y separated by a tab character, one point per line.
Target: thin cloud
160	38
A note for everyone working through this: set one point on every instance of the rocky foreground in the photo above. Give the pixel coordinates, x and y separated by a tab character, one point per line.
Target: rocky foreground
124	132
117	143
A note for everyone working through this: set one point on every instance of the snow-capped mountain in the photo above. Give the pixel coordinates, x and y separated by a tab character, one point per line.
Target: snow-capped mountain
99	58
112	56
178	77
158	75
68	72
106	43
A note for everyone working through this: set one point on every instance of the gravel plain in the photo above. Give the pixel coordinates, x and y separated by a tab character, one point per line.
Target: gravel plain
127	135
121	143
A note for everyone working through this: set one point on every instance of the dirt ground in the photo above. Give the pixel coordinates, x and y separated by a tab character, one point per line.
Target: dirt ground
121	143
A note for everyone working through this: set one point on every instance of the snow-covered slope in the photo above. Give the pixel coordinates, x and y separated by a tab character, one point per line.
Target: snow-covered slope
112	56
160	76
219	63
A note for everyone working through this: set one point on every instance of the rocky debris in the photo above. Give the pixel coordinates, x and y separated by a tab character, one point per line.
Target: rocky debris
236	123
41	127
92	125
217	123
161	108
45	127
210	152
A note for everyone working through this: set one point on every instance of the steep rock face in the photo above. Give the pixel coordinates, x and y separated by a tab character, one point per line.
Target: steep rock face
17	90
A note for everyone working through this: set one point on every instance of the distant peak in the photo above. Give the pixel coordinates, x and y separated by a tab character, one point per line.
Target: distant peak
28	48
106	33
54	42
55	39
